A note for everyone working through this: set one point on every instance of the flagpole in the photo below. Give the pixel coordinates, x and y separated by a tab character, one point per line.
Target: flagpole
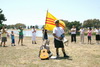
45	23
46	16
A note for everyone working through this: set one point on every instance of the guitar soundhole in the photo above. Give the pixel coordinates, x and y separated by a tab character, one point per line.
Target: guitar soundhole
43	51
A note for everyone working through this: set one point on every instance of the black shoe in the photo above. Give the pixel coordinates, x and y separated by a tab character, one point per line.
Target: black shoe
57	56
50	54
66	56
3	46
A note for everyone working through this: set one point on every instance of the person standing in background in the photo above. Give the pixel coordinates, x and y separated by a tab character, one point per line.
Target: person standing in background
20	30
89	35
3	36
45	35
73	34
97	35
0	34
12	39
33	35
82	35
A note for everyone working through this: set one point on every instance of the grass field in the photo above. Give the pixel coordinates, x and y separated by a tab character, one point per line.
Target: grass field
81	55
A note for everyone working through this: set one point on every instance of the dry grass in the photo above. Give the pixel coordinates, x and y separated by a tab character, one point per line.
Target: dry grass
82	55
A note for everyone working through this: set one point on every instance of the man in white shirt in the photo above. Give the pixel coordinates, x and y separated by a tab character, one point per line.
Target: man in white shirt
73	34
58	34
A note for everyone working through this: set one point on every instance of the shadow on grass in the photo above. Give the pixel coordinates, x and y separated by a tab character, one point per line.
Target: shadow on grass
60	58
92	43
23	45
3	46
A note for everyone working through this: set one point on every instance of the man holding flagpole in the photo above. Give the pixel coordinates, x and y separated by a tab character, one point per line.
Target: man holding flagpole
58	34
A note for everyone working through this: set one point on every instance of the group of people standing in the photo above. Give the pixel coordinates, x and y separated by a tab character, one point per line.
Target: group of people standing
82	34
4	34
58	33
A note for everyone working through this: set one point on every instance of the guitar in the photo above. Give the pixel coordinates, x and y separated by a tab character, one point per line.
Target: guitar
44	54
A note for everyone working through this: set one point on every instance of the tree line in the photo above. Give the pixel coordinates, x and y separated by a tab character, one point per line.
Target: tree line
16	26
87	23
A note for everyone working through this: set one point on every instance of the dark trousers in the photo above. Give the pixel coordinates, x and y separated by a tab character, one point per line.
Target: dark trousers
73	37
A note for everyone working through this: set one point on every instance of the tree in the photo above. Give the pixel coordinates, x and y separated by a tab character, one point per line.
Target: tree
91	23
20	25
31	26
77	24
28	27
69	25
36	26
10	26
2	18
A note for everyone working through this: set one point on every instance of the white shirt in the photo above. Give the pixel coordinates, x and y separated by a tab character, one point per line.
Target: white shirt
97	31
73	32
81	31
33	31
58	31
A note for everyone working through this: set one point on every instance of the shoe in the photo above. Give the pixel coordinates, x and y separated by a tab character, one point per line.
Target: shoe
3	46
50	54
66	56
11	44
22	45
57	56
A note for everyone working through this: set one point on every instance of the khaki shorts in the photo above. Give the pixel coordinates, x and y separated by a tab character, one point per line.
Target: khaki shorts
4	39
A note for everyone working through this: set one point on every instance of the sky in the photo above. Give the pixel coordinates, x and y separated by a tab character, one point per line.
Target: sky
33	12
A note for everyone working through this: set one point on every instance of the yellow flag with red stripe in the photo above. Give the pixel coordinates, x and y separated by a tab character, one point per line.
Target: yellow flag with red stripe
50	24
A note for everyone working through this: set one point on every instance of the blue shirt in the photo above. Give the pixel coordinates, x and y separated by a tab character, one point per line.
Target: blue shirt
12	36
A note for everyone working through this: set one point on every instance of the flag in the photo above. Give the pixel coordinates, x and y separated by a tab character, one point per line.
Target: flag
50	24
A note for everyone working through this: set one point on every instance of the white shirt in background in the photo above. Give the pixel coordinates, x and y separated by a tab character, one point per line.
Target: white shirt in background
97	31
81	31
33	35
73	32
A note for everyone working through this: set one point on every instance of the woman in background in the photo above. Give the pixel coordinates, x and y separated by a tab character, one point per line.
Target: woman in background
82	35
3	36
89	35
33	35
97	35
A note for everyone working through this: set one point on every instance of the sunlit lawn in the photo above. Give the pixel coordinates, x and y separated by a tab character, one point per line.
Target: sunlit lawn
81	55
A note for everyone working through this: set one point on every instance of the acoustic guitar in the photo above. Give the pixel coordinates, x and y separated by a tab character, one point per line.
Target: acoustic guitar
44	54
